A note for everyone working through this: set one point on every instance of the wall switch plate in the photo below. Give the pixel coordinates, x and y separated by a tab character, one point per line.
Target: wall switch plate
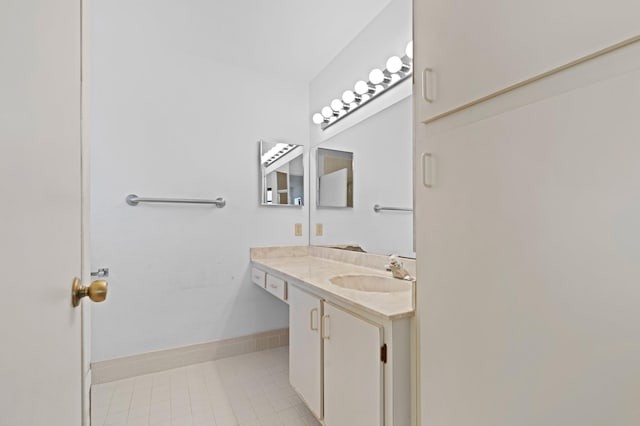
318	230
298	228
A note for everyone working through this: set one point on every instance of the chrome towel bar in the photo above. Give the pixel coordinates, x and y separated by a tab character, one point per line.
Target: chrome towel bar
134	200
378	208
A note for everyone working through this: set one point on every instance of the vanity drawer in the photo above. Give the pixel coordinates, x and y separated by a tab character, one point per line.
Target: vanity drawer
258	277
277	287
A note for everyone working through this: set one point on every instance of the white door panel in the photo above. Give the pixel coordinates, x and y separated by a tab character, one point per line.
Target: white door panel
353	370
528	246
305	347
40	216
477	48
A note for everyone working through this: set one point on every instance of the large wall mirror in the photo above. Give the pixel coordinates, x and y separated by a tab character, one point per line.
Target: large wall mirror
334	182
281	174
382	177
377	138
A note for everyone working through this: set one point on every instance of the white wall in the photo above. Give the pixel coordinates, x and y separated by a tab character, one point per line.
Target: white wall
378	133
171	118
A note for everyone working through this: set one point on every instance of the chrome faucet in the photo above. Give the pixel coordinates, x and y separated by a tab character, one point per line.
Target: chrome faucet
397	269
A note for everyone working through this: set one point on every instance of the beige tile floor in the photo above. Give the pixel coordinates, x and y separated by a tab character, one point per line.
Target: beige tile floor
250	389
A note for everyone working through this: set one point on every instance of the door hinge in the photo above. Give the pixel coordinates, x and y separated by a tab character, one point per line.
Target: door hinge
383	353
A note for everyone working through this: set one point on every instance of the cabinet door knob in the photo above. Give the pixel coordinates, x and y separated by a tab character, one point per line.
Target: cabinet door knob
325	327
311	319
427	92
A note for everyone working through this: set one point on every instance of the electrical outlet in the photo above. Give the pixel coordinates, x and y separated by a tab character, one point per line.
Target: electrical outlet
318	230
298	228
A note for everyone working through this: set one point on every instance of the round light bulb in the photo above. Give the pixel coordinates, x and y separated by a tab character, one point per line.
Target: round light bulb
327	112
362	87
376	76
394	64
348	97
317	118
409	49
337	105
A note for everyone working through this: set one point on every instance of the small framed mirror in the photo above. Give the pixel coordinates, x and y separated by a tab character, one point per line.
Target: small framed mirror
281	174
334	183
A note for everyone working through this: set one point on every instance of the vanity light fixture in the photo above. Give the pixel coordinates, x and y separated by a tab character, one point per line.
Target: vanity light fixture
377	77
397	70
395	65
318	118
348	97
408	51
337	105
364	88
327	112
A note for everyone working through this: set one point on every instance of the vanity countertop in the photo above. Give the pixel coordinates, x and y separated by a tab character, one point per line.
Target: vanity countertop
313	267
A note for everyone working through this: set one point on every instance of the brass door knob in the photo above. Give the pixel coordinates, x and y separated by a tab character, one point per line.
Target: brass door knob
97	291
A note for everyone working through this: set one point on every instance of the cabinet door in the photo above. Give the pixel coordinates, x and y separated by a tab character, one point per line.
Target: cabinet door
352	369
475	48
305	347
528	246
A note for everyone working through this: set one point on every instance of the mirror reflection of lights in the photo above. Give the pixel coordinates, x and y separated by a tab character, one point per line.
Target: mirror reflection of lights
276	152
380	81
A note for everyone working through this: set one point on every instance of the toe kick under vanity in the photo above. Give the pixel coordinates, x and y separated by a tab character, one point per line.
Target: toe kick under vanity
349	331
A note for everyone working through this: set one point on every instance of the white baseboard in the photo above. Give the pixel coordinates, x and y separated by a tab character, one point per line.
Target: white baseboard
152	362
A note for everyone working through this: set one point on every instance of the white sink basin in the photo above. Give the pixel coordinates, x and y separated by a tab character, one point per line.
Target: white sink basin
371	283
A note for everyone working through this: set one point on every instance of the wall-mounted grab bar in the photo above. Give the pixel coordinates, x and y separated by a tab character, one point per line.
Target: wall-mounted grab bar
378	208
133	200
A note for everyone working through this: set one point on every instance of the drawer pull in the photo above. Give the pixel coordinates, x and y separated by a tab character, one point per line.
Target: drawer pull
427	93
325	327
311	319
273	286
427	172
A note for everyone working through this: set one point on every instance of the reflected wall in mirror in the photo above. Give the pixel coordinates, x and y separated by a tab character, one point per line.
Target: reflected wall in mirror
334	182
281	174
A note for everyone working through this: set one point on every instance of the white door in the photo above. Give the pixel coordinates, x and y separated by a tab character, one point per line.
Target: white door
474	48
40	212
528	248
353	370
305	347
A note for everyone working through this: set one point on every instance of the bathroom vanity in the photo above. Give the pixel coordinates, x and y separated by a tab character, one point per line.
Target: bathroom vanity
349	331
